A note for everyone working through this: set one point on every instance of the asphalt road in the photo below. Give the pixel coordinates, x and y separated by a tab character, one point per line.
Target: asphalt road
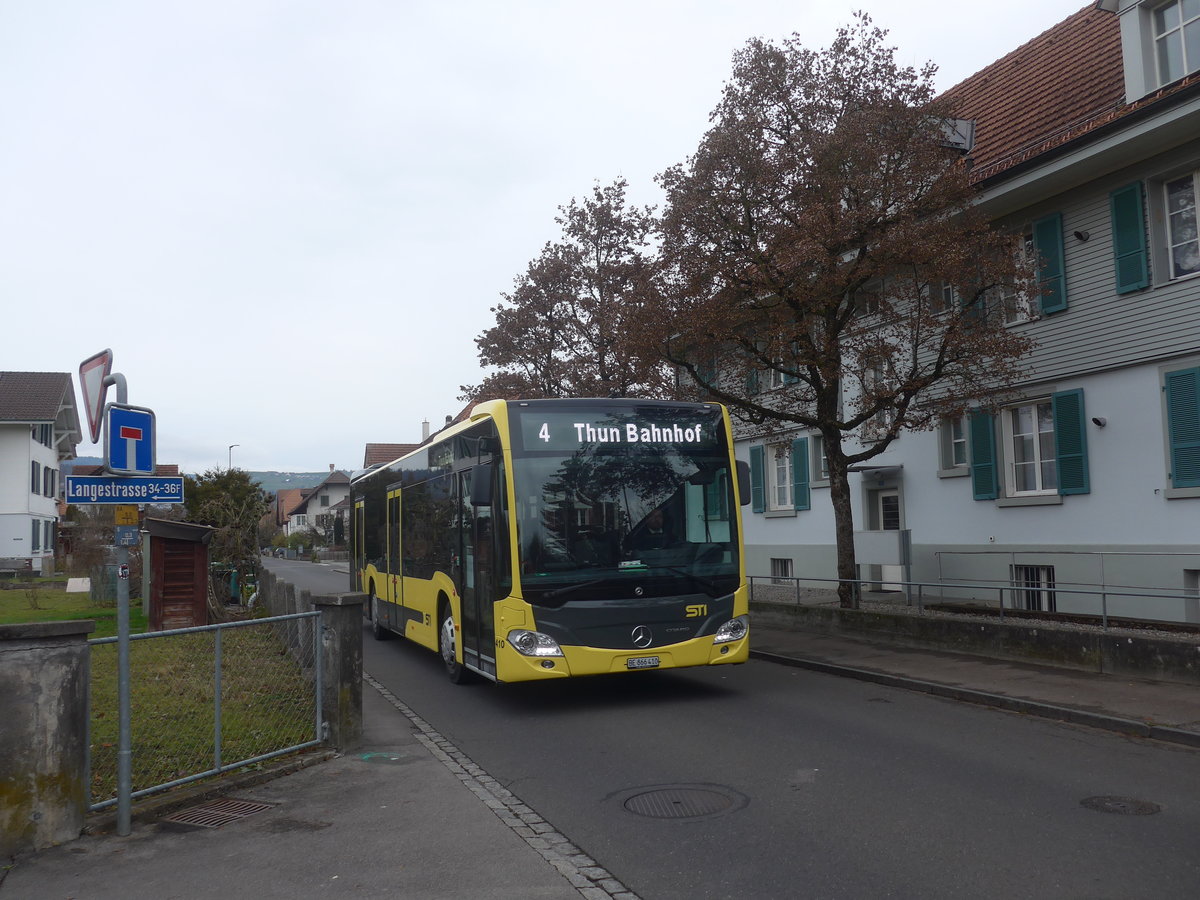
800	784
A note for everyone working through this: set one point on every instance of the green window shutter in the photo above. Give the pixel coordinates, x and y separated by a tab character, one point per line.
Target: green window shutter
1183	426
801	495
1070	442
1129	238
983	455
1048	242
752	382
757	494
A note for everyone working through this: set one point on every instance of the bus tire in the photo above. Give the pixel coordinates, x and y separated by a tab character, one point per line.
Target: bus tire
377	630
446	646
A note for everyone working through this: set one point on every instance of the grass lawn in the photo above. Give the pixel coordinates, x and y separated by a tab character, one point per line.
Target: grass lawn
267	698
56	605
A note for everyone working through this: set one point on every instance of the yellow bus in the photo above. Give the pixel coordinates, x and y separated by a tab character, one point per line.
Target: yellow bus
553	538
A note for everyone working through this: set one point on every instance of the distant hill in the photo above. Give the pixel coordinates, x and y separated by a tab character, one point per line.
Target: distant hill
270	481
282	481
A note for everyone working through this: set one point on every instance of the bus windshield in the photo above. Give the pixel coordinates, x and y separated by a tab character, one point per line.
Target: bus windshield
638	496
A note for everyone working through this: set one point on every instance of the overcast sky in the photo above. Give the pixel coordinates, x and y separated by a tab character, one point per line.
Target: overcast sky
289	220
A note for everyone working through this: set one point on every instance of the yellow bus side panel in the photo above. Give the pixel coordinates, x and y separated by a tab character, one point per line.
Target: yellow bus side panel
421	606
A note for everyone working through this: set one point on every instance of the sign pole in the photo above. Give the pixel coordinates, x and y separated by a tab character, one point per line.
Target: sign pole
124	736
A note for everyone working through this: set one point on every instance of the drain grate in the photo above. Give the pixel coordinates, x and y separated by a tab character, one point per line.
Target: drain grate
683	802
1121	806
217	812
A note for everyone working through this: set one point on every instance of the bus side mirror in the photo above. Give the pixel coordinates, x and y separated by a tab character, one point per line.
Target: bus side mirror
481	485
743	477
489	444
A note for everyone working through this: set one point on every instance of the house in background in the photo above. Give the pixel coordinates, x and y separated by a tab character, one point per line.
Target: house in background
379	454
316	508
1087	139
39	429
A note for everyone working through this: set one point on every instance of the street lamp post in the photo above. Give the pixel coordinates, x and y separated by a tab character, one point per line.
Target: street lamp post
231	446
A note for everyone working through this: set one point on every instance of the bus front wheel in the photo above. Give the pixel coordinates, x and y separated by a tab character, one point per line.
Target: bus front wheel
446	644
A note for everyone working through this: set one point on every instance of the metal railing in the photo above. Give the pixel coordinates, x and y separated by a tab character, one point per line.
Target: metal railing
830	594
247	690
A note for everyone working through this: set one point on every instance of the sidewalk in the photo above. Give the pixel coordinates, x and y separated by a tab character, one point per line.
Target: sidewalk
1155	709
389	820
398	817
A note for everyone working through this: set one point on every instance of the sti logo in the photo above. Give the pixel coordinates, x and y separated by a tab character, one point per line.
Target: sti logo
129	437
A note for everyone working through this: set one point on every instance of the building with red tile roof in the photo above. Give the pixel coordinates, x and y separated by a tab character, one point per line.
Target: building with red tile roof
1086	139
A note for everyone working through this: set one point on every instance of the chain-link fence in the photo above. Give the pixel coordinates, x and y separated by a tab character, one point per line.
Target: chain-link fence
205	700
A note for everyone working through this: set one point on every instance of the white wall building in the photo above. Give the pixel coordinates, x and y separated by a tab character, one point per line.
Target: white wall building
39	428
1091	478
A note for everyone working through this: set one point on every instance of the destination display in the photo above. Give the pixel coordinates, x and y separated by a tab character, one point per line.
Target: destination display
570	431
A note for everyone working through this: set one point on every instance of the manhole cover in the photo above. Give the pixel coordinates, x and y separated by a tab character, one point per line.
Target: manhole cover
217	813
1122	806
683	801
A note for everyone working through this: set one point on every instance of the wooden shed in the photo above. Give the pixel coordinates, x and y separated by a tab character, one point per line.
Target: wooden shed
178	591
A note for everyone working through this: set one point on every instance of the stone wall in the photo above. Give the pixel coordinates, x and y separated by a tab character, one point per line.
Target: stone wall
1159	658
44	681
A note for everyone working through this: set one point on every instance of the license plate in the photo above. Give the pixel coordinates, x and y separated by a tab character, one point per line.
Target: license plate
642	662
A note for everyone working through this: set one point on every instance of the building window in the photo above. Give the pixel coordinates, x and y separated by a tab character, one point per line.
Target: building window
1177	39
1029	447
1033	588
820	462
35	536
781	570
943	297
867	298
35	477
779	477
48	481
953	439
48	539
1039	448
875	380
1183	243
324	499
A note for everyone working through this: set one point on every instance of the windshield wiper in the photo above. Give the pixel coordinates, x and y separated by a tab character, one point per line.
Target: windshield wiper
710	586
571	588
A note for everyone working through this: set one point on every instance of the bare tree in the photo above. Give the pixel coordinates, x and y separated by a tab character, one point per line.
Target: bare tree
564	331
823	241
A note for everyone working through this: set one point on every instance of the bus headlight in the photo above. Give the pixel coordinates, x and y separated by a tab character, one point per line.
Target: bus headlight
534	643
733	630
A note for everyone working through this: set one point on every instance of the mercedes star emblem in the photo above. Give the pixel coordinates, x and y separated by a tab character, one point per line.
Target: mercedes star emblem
642	636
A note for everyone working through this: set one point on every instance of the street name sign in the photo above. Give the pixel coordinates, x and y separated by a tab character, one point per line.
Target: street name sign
120	489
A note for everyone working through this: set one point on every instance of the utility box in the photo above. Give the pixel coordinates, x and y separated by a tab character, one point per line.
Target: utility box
178	590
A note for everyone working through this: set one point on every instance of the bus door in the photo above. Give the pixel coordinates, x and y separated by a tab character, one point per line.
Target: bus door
358	533
394	589
475	579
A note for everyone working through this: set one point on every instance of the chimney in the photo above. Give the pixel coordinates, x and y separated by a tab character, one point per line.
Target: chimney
425	430
331	467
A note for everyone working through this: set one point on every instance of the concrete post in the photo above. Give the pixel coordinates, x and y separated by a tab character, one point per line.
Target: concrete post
342	661
44	680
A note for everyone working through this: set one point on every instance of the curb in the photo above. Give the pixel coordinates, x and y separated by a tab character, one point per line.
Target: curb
998	701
